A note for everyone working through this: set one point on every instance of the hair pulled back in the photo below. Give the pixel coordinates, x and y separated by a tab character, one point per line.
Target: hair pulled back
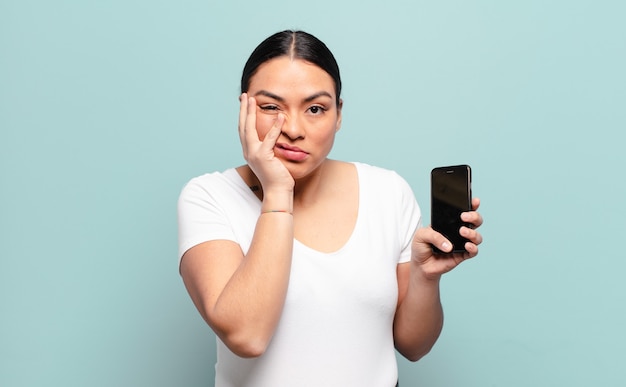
296	45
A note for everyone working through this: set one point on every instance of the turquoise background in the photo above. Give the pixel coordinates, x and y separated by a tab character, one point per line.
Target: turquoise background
108	108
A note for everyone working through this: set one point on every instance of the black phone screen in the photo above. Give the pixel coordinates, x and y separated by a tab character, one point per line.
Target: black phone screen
451	195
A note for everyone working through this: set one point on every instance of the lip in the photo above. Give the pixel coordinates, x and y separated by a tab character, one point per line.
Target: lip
288	152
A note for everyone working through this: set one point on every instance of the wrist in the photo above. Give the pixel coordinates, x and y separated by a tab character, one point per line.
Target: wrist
424	277
277	201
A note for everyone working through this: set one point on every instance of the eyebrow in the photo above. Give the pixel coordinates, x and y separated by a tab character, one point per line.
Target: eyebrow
281	99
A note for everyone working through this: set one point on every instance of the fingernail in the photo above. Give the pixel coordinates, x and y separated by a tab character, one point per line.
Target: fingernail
445	246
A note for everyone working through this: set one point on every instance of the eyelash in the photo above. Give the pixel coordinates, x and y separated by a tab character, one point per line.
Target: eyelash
320	109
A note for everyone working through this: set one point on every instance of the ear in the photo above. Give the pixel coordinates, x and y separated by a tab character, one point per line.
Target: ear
339	115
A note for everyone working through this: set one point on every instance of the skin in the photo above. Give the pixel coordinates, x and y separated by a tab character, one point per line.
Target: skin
287	125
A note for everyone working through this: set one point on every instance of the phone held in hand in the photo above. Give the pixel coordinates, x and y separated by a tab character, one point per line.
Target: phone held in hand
451	194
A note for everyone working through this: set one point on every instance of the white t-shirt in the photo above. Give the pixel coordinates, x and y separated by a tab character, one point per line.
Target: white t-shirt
336	328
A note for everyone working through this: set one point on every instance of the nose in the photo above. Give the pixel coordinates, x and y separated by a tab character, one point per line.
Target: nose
292	128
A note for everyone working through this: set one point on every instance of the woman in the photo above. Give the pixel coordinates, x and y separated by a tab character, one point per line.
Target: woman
310	271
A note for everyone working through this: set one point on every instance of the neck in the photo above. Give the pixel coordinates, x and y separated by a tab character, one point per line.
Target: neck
307	189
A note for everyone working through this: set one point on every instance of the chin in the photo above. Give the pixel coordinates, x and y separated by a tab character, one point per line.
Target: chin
301	171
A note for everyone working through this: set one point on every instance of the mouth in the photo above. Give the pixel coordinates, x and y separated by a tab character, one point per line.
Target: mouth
292	153
289	147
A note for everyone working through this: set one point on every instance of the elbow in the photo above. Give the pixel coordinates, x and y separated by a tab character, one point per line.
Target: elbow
413	357
246	345
244	339
413	354
249	349
245	342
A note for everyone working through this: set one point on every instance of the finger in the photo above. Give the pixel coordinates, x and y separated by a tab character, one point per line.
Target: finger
428	237
243	113
472	250
250	135
272	136
471	235
475	203
243	110
472	217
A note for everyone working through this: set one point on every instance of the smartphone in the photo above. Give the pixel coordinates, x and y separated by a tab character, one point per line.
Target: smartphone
451	194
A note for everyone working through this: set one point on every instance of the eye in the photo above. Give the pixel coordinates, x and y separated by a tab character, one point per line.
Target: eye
269	108
316	109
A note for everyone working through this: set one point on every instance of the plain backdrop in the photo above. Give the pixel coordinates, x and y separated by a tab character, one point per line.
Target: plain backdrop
108	108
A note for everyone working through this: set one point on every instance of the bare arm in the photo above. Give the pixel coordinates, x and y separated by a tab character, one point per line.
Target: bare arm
419	315
242	297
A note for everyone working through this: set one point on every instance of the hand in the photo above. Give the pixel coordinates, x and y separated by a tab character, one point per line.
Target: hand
259	154
432	265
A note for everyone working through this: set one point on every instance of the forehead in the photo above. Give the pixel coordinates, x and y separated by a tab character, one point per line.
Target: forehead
284	75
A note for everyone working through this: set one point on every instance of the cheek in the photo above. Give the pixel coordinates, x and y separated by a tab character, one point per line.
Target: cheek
324	137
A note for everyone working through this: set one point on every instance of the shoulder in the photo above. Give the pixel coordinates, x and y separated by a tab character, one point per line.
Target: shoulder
387	188
217	189
209	182
210	178
382	177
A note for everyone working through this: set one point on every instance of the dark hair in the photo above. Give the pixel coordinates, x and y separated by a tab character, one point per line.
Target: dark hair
295	44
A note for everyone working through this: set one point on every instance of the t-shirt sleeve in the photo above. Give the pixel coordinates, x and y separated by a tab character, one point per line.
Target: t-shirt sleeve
200	217
409	218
